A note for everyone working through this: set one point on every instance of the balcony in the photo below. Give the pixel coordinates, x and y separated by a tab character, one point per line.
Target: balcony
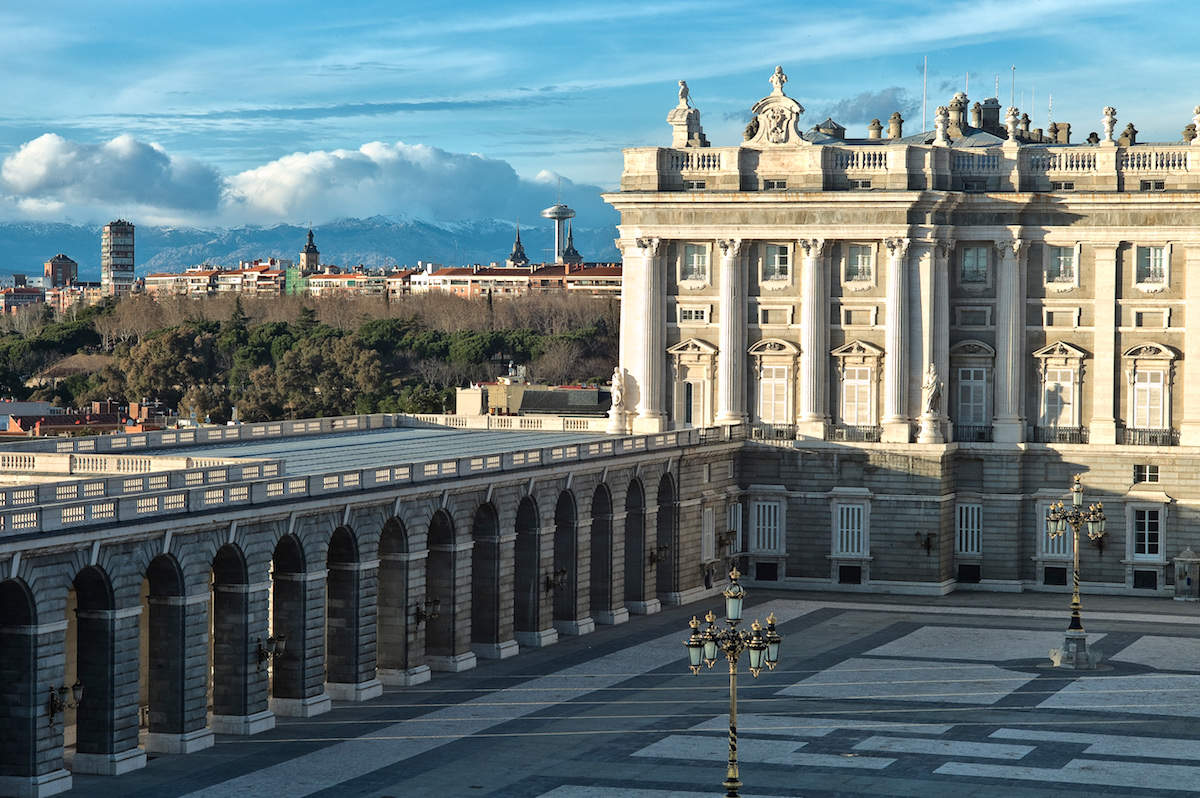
1131	436
973	433
852	434
1060	435
774	432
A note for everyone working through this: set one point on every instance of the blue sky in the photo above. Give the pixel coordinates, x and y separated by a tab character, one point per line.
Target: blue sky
231	112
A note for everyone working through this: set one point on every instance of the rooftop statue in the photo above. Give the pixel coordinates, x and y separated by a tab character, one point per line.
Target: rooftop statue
684	94
777	80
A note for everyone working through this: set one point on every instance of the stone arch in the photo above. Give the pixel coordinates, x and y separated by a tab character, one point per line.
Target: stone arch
566	544
19	704
485	576
289	619
343	652
601	577
635	544
526	603
91	630
163	631
230	668
391	621
440	586
667	575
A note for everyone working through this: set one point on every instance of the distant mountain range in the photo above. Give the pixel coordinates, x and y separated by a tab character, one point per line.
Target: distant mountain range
377	241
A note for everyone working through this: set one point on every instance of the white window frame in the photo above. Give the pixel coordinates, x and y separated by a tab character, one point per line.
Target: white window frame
868	382
770	263
1146	383
688	251
1153	283
701	314
857	282
851	524
968	537
1071	403
1131	511
985	417
767	527
1143	360
1142	473
708	535
776	381
1052	252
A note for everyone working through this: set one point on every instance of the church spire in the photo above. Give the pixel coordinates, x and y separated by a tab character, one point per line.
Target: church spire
571	255
517	257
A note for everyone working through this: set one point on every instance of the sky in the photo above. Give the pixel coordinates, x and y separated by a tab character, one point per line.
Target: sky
231	113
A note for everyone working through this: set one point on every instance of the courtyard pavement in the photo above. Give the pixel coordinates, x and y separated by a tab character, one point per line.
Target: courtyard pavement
880	696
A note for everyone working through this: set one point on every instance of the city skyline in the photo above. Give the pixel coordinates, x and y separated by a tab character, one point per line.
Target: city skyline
214	117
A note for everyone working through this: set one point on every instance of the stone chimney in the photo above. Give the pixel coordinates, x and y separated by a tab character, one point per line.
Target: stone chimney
1064	133
874	130
895	125
1025	126
977	116
990	117
1128	137
957	109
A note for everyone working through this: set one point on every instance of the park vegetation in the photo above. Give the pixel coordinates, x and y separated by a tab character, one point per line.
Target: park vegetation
291	357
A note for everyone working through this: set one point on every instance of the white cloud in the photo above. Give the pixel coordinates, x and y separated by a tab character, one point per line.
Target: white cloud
52	171
54	177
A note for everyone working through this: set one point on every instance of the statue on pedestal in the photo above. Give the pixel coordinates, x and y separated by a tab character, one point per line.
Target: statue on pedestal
616	412
931	392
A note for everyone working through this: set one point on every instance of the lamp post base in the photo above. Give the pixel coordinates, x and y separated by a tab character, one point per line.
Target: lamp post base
1075	654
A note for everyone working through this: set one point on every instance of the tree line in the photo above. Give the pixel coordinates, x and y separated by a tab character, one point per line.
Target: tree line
291	357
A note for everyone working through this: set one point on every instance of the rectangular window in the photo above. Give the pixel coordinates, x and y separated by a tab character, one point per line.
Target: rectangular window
1152	185
692	403
773	395
776	264
972	396
1059	398
708	535
734	524
856	397
1145	472
1062	185
1148	402
1060	266
861	185
765	535
694	314
694	185
974	265
1151	264
851	537
774	185
1147	534
860	263
969	539
1054	546
695	263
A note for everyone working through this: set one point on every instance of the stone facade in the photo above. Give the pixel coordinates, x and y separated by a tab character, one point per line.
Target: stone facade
927	335
324	598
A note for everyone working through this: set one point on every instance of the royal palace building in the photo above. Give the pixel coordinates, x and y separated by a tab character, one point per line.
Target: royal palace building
927	336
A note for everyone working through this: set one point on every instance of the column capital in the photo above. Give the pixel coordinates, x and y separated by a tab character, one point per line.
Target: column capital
812	246
730	247
897	247
650	247
1009	247
943	247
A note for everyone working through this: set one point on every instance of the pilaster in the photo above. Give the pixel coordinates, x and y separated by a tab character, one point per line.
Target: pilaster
649	352
1189	434
897	424
1102	428
814	371
731	356
1008	425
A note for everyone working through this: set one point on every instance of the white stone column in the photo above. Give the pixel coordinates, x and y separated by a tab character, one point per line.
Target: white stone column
1008	425
896	420
1189	434
814	370
731	357
931	370
1103	426
643	333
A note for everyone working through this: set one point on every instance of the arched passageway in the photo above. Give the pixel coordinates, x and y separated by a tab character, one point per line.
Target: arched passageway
635	547
440	588
237	677
601	599
566	572
19	706
350	658
527	585
162	689
396	606
485	582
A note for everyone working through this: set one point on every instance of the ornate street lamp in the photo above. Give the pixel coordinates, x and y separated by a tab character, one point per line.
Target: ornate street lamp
705	645
1074	653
